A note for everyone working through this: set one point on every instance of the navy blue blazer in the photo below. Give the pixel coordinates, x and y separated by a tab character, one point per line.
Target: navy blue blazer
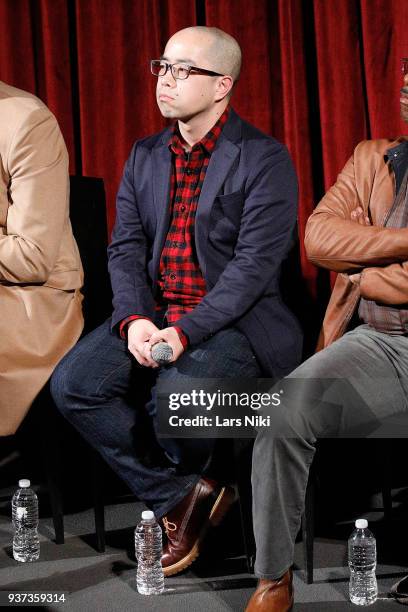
244	225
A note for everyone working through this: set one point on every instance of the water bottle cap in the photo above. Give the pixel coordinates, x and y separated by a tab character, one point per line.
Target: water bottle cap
24	483
361	523
147	515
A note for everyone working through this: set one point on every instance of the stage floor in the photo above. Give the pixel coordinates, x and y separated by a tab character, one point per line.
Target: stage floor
218	582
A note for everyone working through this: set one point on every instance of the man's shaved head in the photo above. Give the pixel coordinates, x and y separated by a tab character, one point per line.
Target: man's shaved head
222	50
201	98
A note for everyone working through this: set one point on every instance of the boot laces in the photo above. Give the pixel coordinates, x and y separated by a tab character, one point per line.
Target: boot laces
169	526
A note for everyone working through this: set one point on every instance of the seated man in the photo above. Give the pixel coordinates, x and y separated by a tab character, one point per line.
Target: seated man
360	230
40	268
205	214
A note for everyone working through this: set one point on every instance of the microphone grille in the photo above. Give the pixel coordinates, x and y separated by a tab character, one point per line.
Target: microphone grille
162	352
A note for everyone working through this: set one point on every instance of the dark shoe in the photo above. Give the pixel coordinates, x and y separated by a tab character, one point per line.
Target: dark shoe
273	595
187	524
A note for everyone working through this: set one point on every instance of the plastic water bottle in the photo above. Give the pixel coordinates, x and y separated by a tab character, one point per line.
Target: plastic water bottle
362	555
148	547
26	543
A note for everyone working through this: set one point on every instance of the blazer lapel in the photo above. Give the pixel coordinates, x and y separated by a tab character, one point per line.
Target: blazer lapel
161	169
220	164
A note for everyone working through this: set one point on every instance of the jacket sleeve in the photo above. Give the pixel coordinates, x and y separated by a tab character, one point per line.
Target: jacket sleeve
334	241
266	231
37	164
386	285
127	254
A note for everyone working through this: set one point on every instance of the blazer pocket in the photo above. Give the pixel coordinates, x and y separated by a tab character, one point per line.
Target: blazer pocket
231	206
225	218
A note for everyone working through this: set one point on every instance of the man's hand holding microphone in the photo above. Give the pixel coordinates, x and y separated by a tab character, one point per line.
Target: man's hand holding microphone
152	346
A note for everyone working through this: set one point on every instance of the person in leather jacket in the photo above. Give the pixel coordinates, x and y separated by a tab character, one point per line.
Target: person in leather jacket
360	378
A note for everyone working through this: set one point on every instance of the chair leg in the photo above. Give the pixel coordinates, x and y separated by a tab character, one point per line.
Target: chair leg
52	463
247	532
383	454
56	504
99	506
308	529
386	486
387	501
243	481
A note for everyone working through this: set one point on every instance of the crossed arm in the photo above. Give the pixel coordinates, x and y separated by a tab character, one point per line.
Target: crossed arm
340	237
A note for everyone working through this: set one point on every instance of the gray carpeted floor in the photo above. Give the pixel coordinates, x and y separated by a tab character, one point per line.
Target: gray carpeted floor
106	582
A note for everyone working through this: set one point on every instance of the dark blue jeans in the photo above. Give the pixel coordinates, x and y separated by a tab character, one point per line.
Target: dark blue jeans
110	399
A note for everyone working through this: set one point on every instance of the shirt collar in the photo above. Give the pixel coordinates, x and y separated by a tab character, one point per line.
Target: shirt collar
399	152
208	141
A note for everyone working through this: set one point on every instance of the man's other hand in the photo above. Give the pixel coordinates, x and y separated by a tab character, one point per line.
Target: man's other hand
355	278
359	216
139	333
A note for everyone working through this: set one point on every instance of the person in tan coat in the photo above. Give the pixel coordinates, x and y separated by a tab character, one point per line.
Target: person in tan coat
357	385
40	268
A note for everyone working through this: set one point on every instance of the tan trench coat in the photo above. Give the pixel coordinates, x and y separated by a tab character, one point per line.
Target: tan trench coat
40	269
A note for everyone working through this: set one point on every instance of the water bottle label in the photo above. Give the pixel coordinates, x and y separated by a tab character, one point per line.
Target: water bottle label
21	513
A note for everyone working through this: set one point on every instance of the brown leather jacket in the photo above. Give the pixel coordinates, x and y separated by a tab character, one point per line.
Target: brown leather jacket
337	243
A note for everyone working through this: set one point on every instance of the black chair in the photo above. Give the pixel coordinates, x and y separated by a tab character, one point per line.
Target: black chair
88	219
383	472
243	468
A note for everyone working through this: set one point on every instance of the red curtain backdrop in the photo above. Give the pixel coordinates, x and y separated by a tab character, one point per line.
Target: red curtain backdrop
115	41
320	76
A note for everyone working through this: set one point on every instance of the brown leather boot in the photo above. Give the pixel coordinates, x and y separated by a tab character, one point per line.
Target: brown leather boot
273	595
187	524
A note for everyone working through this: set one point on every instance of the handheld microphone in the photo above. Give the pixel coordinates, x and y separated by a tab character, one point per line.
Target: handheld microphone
162	352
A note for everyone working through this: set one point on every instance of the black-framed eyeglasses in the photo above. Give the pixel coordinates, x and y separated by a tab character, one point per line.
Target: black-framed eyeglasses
179	70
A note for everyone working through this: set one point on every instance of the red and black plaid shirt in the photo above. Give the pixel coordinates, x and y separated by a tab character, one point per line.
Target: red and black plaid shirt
181	283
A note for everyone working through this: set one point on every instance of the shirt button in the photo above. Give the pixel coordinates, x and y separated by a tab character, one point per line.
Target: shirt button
189	171
182	208
173	276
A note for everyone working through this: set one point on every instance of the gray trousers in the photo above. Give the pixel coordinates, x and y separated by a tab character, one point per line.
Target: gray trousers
344	390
